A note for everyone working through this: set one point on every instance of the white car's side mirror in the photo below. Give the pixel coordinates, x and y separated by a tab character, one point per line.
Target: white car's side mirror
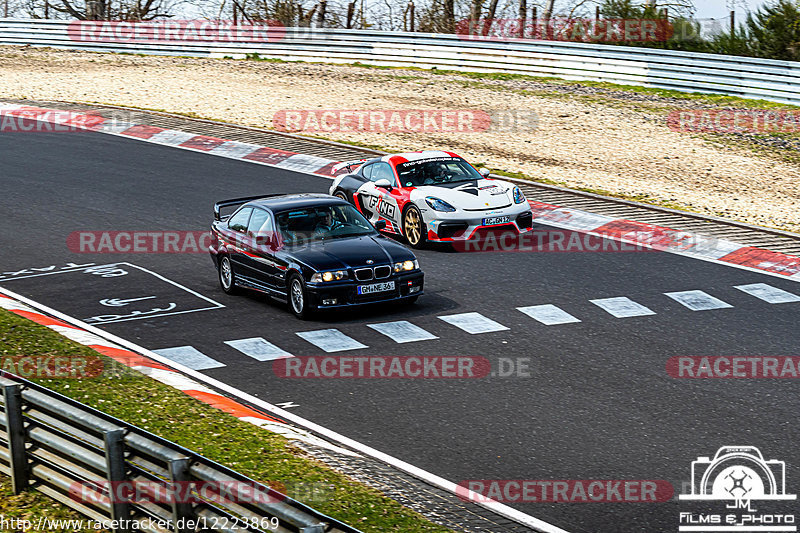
383	183
485	172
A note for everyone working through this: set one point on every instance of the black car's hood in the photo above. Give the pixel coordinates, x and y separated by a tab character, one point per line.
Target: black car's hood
352	252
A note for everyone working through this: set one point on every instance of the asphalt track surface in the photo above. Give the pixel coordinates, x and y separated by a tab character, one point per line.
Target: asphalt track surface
598	403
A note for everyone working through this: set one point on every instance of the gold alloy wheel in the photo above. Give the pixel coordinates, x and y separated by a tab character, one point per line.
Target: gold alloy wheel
412	226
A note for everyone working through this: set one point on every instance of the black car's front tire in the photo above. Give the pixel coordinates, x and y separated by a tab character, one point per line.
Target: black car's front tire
227	279
298	297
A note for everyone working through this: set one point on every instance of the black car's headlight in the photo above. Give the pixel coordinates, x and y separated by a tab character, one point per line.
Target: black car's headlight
334	275
405	266
518	196
439	205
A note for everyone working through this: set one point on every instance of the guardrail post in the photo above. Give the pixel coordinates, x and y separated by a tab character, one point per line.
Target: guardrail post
182	511
15	428
116	472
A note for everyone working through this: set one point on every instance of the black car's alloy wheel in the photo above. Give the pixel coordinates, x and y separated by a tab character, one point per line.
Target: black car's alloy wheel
298	301
226	278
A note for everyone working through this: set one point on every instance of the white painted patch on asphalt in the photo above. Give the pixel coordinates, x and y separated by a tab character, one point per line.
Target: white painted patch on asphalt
234	149
189	356
173	379
473	323
768	293
259	349
331	340
171	137
548	314
403	331
306	163
698	300
622	307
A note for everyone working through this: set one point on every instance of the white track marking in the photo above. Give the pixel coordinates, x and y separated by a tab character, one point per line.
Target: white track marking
473	323
259	349
548	314
82	337
175	380
234	149
6	303
768	293
622	307
190	357
330	340
698	300
307	163
403	331
171	137
442	483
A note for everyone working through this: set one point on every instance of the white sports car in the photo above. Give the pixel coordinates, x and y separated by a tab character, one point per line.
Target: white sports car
431	196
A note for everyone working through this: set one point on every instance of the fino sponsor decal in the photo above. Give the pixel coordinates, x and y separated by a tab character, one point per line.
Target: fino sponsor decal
737	490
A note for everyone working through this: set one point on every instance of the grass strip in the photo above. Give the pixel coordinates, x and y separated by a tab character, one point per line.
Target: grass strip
263	456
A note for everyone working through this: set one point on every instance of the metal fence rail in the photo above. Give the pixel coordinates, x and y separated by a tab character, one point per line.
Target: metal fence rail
766	79
80	457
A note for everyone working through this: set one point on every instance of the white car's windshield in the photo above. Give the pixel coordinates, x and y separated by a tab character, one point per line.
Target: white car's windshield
299	226
436	170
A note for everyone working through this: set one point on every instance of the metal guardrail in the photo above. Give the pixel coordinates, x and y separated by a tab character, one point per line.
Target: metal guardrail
70	451
778	81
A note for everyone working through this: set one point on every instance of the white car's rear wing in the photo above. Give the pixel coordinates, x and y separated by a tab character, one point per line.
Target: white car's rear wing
347	165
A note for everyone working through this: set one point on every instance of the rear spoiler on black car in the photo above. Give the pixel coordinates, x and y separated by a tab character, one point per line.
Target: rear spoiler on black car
237	201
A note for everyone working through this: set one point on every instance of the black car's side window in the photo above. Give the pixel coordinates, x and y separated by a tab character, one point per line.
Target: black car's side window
260	222
239	220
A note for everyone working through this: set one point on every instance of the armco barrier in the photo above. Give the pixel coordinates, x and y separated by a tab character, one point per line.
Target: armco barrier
778	81
62	447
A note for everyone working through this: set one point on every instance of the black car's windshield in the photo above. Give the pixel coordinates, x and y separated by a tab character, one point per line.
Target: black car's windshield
436	170
300	226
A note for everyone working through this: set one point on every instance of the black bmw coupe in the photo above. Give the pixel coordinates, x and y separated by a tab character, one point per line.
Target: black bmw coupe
312	251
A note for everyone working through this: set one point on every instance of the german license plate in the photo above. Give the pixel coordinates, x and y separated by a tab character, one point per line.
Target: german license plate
493	221
376	287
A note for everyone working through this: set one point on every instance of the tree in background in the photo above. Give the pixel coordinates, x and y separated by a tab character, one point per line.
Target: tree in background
774	31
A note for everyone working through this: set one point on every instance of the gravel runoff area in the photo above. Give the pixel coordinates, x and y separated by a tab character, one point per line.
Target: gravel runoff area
587	137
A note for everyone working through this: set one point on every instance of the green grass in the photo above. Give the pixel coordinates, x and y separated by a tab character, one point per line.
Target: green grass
257	453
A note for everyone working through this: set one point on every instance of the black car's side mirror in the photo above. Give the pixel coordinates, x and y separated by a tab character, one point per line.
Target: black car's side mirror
266	241
380	225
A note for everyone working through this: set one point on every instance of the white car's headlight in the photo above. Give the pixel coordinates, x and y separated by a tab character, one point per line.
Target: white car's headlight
518	196
439	205
335	275
406	265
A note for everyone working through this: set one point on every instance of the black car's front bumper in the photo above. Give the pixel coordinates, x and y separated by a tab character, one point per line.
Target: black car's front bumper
345	293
